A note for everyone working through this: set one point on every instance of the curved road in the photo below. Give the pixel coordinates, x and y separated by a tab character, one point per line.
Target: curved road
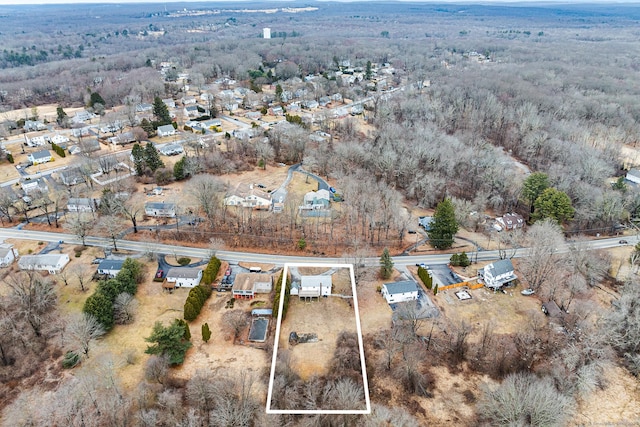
235	257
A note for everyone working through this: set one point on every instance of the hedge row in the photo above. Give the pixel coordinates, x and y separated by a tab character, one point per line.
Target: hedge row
59	150
426	278
198	295
276	299
211	272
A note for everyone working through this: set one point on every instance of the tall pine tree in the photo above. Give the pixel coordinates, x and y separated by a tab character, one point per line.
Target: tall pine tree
161	112
152	157
444	225
386	264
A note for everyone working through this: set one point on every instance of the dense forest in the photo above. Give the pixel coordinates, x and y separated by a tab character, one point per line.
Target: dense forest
486	97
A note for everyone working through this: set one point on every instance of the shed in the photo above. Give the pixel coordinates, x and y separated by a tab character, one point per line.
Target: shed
551	309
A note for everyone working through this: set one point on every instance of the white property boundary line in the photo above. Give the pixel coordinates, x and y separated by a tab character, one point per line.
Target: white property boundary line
365	382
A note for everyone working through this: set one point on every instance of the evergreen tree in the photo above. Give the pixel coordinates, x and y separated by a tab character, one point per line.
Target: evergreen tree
178	169
444	225
95	98
206	332
185	325
161	111
168	341
100	306
152	157
148	128
533	186
553	204
190	312
278	93
367	73
386	264
62	117
137	153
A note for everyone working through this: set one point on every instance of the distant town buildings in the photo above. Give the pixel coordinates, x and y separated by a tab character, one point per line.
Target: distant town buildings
266	33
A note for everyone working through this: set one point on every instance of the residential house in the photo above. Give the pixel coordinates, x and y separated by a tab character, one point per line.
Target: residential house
82	204
53	263
315	286
510	221
30	186
7	254
189	100
166	130
81	131
123	138
110	267
170	103
211	123
316	200
276	111
634	176
191	111
144	107
337	97
249	197
37	141
71	176
497	274
312	103
184	277
160	209
400	291
82	116
171	149
33	125
59	139
247	285
112	127
324	101
85	146
42	156
294	107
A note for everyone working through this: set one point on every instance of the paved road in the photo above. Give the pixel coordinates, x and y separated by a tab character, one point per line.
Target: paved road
235	257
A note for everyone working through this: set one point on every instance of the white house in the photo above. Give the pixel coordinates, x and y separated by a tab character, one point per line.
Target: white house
170	103
160	209
316	200
510	221
59	139
171	149
53	263
82	204
184	277
497	274
633	175
31	125
400	291
249	197
110	267
166	130
314	286
42	156
37	140
32	185
247	285
7	254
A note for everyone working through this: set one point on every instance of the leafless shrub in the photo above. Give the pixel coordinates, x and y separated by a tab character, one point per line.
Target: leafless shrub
124	308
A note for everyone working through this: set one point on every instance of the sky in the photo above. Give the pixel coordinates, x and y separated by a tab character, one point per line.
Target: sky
292	2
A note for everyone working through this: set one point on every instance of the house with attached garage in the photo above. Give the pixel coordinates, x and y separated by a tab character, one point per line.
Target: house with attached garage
400	291
247	285
30	186
110	267
184	277
497	274
160	209
248	196
53	263
510	221
316	200
315	286
171	149
42	156
33	125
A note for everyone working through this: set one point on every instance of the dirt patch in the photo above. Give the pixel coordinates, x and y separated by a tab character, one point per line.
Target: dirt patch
312	271
311	317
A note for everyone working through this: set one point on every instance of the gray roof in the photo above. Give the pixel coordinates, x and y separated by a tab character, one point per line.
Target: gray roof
159	205
80	201
42	154
166	128
401	287
44	260
184	272
501	267
4	252
315	281
111	264
634	172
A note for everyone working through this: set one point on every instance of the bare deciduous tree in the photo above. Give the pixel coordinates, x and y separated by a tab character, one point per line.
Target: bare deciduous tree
124	308
82	330
235	321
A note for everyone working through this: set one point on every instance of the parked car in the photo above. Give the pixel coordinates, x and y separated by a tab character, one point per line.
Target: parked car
623	242
159	274
528	292
423	265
